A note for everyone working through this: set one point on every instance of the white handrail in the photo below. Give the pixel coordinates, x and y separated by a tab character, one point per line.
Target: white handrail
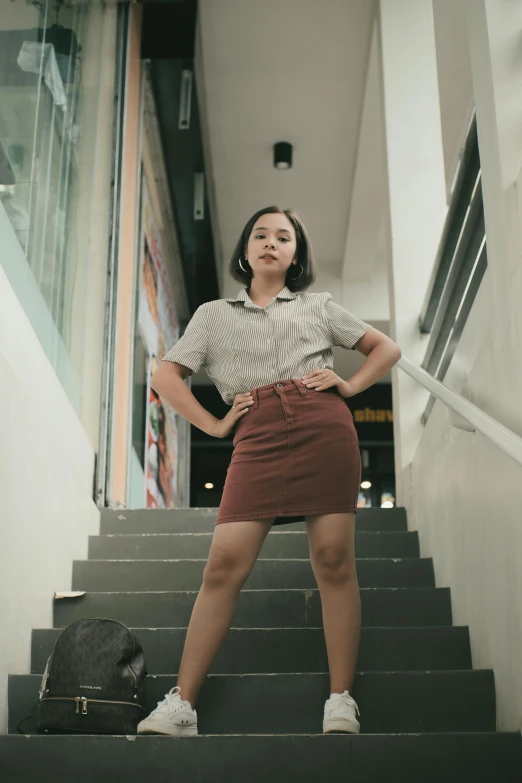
501	436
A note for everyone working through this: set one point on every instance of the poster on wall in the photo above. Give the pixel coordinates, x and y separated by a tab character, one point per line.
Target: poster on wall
161	446
158	322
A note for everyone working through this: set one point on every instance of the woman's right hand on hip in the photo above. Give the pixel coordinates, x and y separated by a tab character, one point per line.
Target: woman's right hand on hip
242	403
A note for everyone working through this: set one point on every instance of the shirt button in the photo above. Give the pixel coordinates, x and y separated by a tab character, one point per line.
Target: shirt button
279	385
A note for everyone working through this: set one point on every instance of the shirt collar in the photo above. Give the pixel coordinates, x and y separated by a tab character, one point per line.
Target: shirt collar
242	296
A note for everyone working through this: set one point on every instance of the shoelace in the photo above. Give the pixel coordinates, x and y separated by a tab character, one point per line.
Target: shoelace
344	700
170	702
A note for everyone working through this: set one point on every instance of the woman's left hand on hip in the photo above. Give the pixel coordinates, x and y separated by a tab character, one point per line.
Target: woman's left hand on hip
324	379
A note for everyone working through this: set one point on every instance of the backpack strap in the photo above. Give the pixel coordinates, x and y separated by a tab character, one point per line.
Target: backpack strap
23	721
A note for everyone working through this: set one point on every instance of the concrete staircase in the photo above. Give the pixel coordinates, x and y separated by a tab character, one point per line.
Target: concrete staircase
426	715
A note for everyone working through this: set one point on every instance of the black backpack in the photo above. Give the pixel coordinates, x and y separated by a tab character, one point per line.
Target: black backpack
93	681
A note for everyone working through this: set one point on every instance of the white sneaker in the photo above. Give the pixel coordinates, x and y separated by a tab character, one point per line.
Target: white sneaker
339	714
172	716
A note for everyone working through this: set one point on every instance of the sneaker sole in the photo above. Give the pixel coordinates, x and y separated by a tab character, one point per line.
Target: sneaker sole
170	730
342	725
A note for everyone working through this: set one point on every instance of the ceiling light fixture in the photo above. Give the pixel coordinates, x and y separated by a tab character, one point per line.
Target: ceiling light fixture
283	155
185	100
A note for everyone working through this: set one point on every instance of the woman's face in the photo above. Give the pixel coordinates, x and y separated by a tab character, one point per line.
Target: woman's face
272	244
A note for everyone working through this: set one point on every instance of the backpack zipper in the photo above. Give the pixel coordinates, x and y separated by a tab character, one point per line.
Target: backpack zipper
84	701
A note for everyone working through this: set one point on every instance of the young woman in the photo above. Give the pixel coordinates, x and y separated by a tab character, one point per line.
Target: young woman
296	453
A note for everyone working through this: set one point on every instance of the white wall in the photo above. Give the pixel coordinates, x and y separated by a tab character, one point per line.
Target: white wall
416	200
455	82
46	484
466	506
465	496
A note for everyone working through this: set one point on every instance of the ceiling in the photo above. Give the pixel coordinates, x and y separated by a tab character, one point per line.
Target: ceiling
284	70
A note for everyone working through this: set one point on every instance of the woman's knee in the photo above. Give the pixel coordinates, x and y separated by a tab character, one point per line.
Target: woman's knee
234	550
223	569
333	563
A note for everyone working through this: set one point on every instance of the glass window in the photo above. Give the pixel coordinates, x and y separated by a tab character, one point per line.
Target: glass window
51	128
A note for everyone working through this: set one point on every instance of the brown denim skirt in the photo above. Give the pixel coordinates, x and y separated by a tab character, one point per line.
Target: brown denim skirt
296	454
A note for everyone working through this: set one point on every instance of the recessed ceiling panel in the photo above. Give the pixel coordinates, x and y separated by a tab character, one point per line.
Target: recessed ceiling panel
285	70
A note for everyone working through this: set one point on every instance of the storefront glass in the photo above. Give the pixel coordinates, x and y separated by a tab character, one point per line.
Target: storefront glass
53	174
154	462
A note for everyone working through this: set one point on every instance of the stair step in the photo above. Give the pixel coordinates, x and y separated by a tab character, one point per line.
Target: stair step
418	606
202	520
293	703
138	575
425	714
432	758
276	545
265	650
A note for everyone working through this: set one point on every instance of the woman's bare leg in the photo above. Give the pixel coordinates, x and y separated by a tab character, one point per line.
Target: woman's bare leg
233	553
332	554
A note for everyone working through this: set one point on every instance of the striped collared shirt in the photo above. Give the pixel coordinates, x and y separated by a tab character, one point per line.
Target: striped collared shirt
242	345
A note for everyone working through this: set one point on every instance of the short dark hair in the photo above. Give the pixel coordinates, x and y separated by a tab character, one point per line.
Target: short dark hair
304	252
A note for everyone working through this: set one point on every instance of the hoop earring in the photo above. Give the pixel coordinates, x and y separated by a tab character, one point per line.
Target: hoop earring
241	265
299	275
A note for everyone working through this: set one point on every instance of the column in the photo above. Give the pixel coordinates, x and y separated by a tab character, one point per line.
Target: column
416	200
